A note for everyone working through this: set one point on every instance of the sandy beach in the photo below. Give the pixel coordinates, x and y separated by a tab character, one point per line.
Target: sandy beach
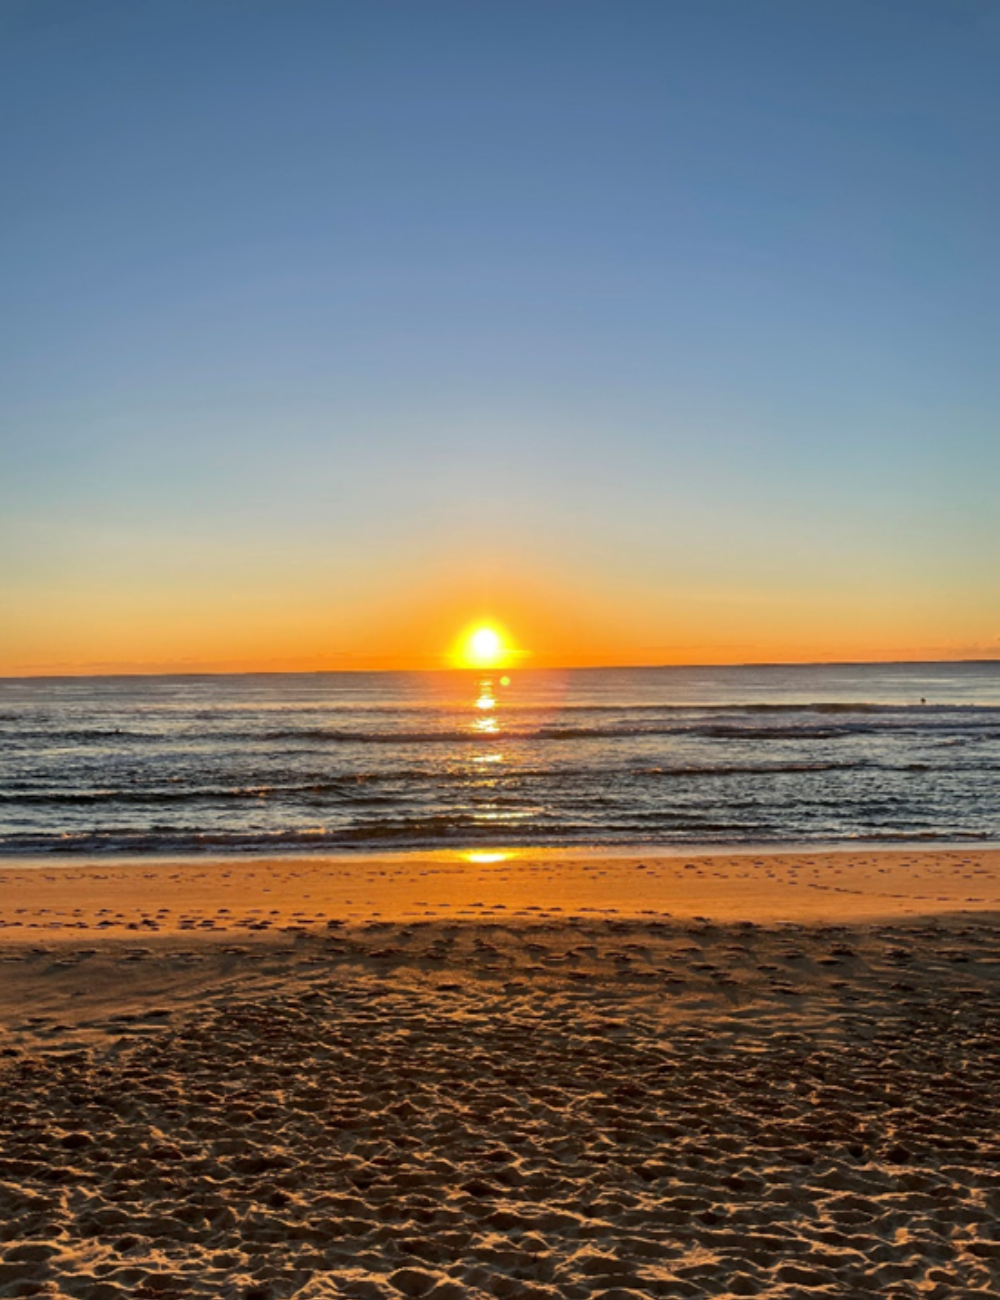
538	1075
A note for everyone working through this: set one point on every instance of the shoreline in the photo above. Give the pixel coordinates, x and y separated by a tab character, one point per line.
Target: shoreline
625	849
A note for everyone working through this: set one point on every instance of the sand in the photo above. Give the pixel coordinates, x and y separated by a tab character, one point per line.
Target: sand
151	894
661	1076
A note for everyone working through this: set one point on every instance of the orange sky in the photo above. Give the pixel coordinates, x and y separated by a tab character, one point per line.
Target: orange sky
548	619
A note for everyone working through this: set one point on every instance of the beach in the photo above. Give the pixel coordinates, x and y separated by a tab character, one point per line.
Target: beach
499	650
538	1074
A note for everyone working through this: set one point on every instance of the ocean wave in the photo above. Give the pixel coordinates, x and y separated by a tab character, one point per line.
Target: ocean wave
347	790
722	732
560	733
758	769
80	735
435	832
384	787
764	722
639	831
904	836
816	706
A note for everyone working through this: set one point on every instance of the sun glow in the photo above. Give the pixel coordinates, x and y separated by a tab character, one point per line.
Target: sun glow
483	645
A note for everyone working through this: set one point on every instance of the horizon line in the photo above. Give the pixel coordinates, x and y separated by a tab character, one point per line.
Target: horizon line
555	668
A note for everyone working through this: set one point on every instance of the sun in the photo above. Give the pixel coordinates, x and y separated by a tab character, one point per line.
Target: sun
483	645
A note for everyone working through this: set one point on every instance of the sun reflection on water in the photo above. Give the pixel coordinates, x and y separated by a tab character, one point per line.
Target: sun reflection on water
486	703
486	804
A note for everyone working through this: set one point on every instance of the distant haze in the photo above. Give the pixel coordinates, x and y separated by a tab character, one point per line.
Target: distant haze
658	331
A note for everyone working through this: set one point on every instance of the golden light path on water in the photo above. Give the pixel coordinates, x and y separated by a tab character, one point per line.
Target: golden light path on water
487	723
486	703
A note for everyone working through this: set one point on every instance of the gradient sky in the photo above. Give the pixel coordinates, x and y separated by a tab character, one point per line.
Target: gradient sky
661	330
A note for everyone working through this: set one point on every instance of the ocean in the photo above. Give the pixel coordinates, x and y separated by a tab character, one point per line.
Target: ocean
606	757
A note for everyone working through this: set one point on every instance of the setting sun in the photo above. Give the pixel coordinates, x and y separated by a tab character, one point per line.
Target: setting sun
483	645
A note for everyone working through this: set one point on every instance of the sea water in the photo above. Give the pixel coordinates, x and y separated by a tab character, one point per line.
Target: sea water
653	756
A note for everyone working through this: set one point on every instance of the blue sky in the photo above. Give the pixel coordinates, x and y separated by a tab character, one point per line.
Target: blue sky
685	310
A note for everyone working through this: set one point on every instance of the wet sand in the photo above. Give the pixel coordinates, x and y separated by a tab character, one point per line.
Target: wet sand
654	1078
164	895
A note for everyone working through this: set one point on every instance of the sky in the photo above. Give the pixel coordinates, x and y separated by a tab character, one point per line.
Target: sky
657	331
